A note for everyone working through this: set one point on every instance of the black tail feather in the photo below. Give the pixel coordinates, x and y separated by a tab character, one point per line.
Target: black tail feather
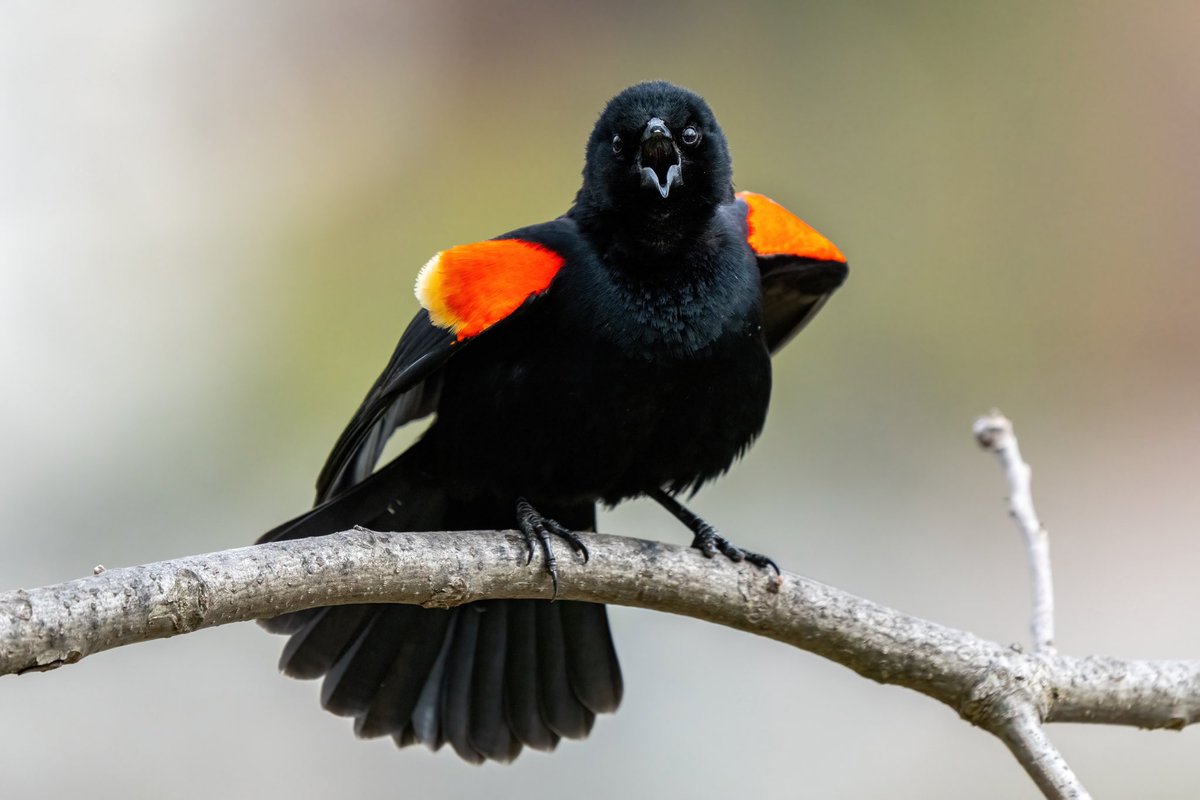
355	678
455	700
488	678
490	733
290	623
405	737
391	708
427	716
560	708
310	653
521	679
592	664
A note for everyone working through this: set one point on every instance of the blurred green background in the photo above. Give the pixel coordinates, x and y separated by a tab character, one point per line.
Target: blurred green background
211	215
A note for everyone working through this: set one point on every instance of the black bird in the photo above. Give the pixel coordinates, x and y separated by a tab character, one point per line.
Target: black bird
621	350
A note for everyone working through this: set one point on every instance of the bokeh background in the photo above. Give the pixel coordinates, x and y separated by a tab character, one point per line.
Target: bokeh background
211	215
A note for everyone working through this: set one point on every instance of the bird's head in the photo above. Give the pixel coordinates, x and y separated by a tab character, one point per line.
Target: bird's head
657	147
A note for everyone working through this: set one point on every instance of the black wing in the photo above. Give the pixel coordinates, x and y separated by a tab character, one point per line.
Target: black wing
411	383
799	267
793	291
407	389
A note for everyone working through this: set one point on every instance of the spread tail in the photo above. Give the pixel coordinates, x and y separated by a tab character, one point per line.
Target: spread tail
488	678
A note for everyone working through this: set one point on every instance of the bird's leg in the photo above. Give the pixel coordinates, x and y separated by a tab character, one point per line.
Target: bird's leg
708	541
536	527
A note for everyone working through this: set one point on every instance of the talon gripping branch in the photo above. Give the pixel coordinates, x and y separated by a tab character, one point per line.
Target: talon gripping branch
621	350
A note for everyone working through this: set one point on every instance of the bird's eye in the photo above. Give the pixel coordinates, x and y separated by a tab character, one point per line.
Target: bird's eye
690	135
617	144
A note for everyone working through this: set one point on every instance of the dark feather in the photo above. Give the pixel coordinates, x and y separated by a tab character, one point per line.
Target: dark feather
405	737
311	652
793	291
561	709
391	707
288	624
355	678
398	395
400	496
427	716
489	730
521	678
456	686
592	665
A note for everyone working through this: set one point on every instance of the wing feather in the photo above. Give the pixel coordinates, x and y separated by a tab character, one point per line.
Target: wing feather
407	389
464	291
799	267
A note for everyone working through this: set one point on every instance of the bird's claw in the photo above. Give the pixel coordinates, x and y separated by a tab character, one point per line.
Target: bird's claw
536	527
709	542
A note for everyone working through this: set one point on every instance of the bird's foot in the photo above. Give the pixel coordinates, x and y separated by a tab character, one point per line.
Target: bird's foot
709	542
540	529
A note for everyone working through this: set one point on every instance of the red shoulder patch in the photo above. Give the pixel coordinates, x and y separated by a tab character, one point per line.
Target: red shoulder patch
776	231
471	287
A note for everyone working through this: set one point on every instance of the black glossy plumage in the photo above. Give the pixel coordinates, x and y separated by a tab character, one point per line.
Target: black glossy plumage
644	365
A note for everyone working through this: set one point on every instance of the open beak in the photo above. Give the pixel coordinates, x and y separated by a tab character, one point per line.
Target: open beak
659	159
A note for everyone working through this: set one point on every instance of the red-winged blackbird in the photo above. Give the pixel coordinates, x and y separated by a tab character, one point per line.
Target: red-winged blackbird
621	350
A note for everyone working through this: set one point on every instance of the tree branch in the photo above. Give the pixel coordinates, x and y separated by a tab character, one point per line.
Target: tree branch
1021	726
995	433
55	625
1026	738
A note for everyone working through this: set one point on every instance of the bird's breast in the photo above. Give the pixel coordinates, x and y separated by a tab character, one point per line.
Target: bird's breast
653	388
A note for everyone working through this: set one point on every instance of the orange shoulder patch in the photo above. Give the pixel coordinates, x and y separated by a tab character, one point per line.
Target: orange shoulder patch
776	231
471	287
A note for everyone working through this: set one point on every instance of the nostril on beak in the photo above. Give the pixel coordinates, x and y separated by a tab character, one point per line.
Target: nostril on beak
656	128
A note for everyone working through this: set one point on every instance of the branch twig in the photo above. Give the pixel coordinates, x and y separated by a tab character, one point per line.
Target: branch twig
995	433
1021	727
1026	738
